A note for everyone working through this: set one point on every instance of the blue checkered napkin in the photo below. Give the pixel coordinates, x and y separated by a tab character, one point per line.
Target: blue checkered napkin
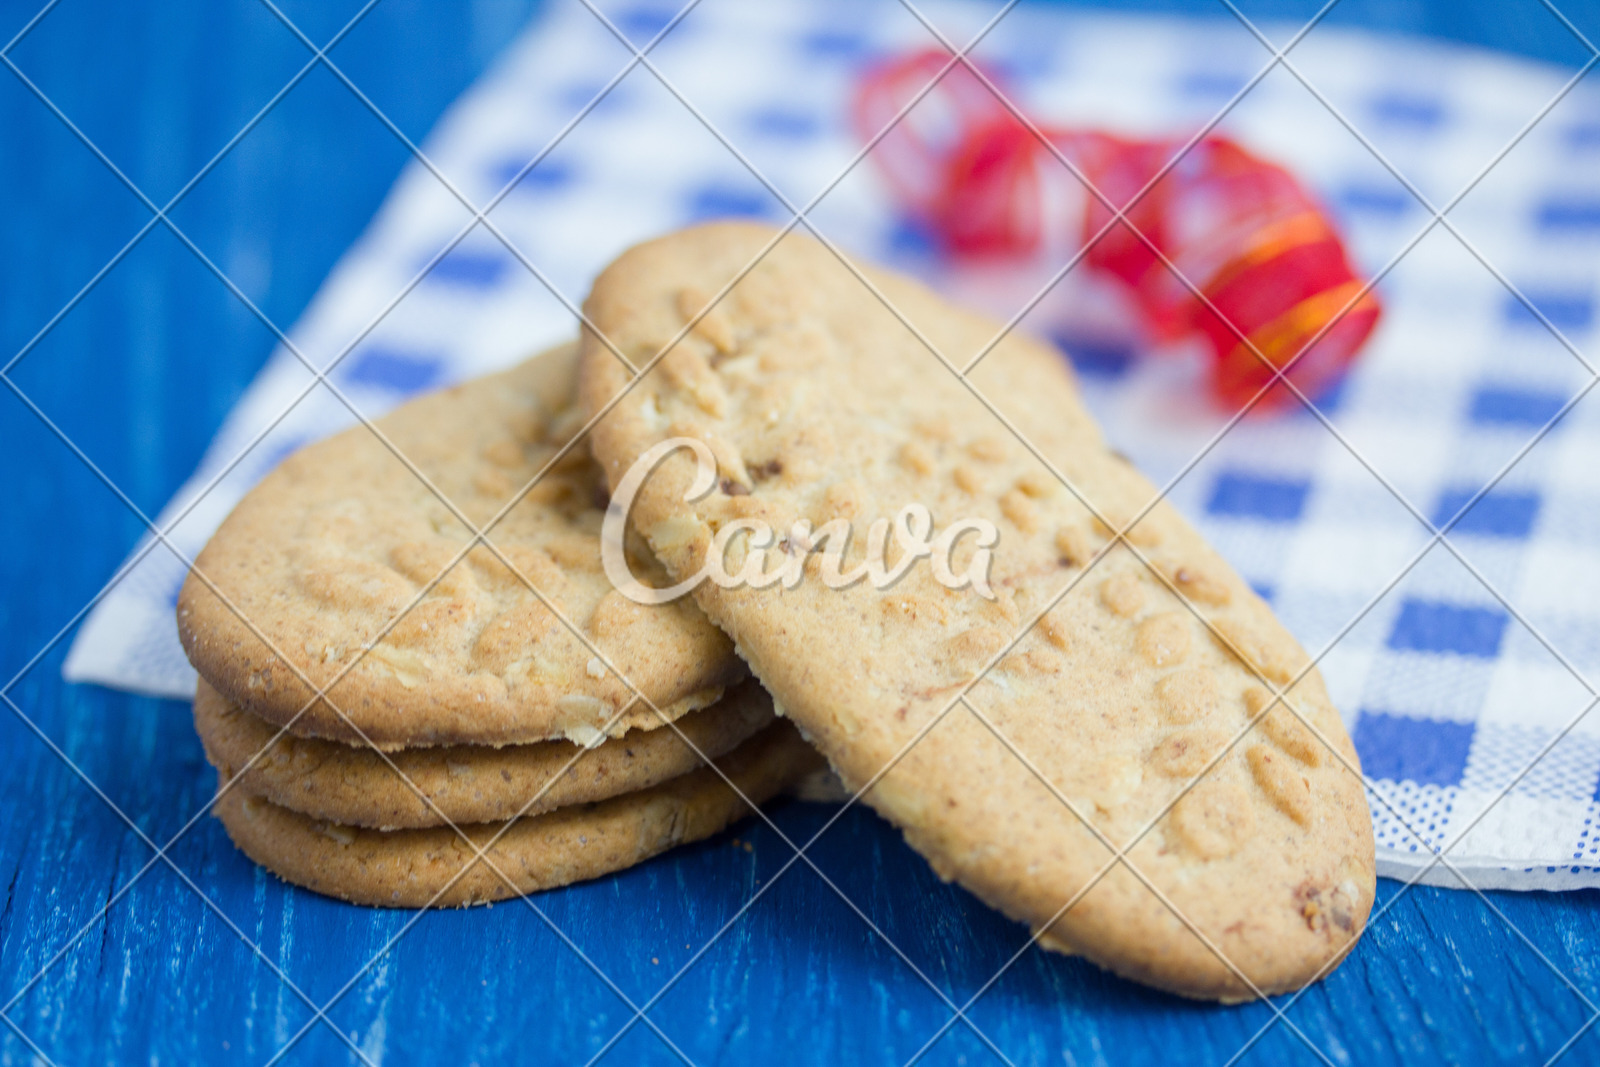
1456	662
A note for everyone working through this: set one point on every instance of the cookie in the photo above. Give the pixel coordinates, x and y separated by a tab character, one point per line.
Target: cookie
413	868
339	783
324	556
1122	668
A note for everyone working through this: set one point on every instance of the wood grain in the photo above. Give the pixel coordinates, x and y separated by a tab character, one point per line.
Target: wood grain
141	374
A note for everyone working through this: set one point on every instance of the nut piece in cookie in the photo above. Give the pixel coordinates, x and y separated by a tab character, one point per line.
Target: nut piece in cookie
1096	695
355	567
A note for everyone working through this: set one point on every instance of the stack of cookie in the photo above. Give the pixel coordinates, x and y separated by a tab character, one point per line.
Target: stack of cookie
987	622
476	715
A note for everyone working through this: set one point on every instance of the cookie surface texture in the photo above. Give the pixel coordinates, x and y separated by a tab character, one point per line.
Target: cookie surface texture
341	783
411	868
1134	718
326	553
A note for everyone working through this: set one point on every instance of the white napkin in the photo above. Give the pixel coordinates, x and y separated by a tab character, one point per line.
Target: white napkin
1449	693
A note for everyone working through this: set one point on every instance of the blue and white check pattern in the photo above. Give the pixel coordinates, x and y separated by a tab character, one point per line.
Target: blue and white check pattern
1455	664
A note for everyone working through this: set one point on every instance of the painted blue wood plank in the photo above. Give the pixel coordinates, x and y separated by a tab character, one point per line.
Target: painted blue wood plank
142	373
798	978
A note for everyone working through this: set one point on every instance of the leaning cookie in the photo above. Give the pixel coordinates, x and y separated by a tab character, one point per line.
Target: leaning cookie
327	552
414	868
462	784
1123	724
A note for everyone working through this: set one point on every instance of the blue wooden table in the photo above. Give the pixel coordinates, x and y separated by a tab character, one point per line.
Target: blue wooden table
109	953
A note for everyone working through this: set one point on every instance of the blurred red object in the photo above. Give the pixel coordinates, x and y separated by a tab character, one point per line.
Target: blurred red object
1244	232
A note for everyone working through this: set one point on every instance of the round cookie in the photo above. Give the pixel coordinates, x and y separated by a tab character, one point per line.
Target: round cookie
466	783
820	403
328	550
409	868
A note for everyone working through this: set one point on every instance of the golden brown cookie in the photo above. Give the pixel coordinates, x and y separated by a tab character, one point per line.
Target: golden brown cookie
411	868
330	548
465	783
820	403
